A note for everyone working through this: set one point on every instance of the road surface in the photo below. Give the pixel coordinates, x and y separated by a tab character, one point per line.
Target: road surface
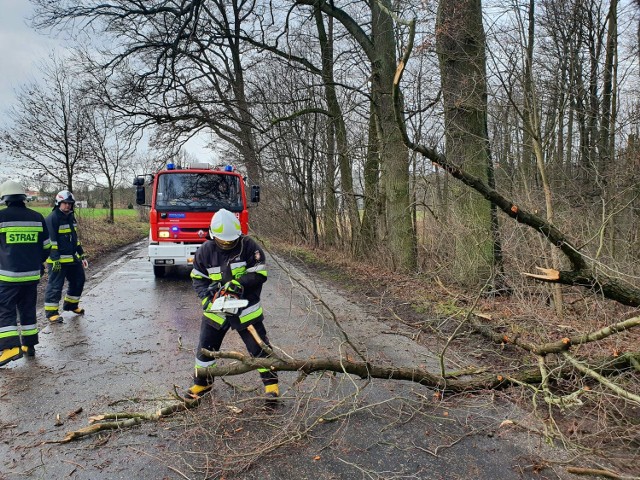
137	341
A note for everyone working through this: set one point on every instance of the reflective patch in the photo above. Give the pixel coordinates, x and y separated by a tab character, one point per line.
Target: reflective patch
22	237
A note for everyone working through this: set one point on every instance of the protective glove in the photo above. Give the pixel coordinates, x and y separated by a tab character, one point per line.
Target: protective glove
83	260
213	288
234	288
206	302
55	265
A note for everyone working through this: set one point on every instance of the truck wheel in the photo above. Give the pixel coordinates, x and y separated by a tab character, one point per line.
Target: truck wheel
159	271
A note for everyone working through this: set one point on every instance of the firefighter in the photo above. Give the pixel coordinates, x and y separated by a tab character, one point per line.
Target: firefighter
66	260
24	246
236	264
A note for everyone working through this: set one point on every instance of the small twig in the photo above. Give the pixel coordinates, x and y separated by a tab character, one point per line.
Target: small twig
325	419
598	472
321	301
435	451
610	385
455	332
178	472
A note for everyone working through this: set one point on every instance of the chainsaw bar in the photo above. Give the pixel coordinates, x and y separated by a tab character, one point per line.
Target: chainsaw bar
227	304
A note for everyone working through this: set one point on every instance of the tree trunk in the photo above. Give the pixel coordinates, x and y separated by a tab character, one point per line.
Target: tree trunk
337	125
394	156
532	121
460	43
371	214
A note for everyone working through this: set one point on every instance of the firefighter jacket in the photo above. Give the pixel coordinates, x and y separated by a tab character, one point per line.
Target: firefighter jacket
245	263
65	245
24	244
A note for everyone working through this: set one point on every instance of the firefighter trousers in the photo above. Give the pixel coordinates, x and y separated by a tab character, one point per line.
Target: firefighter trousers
74	274
211	339
18	300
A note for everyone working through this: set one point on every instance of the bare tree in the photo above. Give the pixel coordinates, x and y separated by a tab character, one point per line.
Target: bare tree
176	65
379	46
47	131
461	50
110	147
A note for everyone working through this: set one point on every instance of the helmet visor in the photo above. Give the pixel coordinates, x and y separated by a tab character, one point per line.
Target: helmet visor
225	244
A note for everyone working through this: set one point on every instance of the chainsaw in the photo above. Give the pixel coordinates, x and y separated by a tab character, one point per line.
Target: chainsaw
226	303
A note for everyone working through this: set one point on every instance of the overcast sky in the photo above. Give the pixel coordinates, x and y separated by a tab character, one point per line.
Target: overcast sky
21	48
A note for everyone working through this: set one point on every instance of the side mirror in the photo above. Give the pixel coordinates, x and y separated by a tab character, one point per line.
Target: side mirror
140	195
255	193
138	181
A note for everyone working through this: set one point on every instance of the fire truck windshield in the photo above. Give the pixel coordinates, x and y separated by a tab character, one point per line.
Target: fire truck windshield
198	192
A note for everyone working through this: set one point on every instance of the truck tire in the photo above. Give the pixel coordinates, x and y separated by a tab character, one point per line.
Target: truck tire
159	271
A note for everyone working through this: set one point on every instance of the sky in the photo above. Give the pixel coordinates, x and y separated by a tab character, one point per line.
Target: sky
22	49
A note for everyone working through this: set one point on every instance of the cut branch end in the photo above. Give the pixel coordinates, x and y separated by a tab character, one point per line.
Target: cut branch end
548	274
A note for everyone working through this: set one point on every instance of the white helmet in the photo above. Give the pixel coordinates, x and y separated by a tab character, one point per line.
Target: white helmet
225	228
11	191
65	196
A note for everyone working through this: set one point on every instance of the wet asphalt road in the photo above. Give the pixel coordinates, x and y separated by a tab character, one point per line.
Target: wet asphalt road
137	341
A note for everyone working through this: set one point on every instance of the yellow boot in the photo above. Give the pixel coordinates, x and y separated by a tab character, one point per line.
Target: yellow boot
272	391
9	355
29	351
197	391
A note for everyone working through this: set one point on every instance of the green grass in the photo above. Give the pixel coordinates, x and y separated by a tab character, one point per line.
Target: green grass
91	212
99	237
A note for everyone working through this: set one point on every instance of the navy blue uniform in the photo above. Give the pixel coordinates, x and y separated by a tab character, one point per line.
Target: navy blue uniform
24	246
67	249
245	263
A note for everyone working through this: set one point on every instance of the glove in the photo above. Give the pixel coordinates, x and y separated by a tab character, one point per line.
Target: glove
83	259
213	288
55	265
206	303
234	288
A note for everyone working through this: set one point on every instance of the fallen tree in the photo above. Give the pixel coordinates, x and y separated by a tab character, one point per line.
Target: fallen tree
584	272
244	363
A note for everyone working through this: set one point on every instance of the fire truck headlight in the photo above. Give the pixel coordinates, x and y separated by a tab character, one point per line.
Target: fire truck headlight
163	234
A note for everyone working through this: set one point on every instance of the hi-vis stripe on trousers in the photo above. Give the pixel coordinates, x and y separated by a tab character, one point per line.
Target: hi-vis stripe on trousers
18	300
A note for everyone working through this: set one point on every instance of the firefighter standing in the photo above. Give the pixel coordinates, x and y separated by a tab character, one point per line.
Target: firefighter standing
66	260
236	263
24	244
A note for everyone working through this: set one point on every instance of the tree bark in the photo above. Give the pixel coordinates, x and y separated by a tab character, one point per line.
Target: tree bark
244	363
394	157
460	43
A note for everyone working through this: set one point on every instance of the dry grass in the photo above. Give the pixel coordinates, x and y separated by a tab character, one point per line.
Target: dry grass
605	425
99	237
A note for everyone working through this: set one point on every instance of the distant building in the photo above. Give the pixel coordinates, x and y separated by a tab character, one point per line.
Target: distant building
32	195
80	204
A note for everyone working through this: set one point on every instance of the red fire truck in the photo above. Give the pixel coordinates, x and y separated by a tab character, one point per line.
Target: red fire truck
182	203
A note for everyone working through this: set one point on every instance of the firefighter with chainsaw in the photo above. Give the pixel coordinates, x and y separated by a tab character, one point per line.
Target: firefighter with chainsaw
66	260
228	273
24	246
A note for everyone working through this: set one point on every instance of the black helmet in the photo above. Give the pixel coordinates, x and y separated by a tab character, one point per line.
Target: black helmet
65	196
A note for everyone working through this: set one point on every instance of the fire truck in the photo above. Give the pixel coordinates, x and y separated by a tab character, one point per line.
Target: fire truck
183	200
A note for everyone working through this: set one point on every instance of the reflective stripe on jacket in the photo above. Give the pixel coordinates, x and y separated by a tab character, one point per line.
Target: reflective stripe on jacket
65	245
244	263
24	243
